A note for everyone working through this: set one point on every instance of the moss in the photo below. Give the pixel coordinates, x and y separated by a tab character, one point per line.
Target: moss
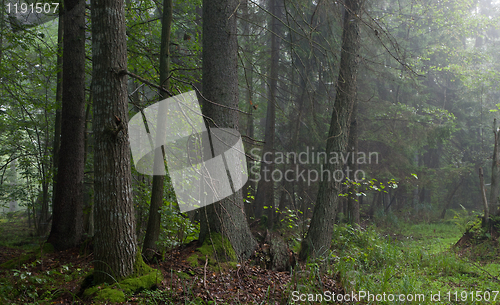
140	267
183	275
110	295
136	284
224	267
48	248
144	277
223	248
193	260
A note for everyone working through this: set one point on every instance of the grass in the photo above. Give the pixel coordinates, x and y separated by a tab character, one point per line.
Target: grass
15	232
417	260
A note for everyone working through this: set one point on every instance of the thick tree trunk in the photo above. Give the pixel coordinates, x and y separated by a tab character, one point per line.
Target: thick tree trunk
153	229
57	123
88	186
67	222
265	187
115	248
318	239
220	85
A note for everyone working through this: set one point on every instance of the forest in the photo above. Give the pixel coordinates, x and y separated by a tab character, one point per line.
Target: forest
249	152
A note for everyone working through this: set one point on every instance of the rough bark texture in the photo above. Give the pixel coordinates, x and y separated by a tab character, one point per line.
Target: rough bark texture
67	222
220	85
57	123
318	238
281	256
265	187
153	229
115	247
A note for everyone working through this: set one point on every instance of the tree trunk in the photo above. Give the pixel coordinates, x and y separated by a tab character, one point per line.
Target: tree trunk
483	196
153	229
13	183
57	123
495	172
318	239
88	186
67	221
265	187
115	247
352	200
220	85
250	186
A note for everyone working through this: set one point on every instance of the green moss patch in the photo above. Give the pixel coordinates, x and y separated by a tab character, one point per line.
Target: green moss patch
217	247
143	278
193	260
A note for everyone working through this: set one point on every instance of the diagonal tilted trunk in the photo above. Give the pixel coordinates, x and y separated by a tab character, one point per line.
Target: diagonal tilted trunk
318	238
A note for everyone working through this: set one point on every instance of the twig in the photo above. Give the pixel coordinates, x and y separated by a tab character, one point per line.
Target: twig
205	272
123	71
211	102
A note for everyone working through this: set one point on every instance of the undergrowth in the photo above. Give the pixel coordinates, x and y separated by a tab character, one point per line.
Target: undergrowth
370	261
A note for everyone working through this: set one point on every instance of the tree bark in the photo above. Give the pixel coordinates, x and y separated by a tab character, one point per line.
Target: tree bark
483	196
250	187
220	85
153	229
352	200
265	187
318	239
495	172
115	247
67	221
57	123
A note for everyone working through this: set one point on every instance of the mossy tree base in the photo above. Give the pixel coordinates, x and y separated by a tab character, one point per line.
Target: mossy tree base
144	278
216	248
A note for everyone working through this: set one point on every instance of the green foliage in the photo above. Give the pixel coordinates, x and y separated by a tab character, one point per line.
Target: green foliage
463	219
176	228
22	285
361	248
416	263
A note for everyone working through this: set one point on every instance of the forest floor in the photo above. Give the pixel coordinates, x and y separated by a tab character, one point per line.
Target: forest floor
398	260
